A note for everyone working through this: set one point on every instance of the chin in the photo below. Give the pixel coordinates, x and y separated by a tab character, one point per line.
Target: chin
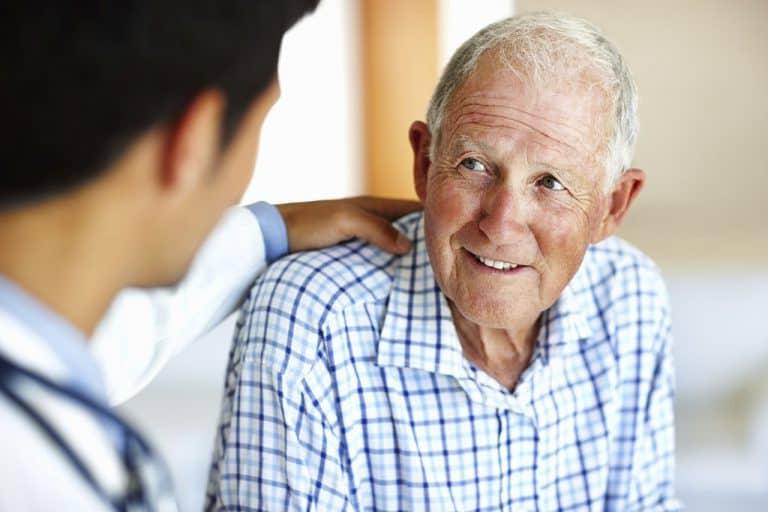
176	274
495	314
162	279
170	273
174	278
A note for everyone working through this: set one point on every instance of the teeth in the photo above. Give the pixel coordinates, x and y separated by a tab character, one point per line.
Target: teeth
499	265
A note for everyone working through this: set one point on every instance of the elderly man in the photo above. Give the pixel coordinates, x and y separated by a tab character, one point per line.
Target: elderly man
518	358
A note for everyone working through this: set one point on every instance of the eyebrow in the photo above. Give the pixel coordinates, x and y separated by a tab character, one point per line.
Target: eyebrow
554	167
465	142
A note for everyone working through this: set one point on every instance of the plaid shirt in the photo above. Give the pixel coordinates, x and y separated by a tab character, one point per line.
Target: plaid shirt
347	390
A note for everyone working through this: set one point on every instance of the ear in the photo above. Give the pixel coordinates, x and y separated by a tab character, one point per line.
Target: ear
420	138
192	143
624	193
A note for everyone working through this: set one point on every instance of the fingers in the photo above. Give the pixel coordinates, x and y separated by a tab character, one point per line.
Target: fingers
319	224
388	208
378	231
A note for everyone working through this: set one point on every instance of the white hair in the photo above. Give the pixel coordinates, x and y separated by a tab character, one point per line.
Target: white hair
547	49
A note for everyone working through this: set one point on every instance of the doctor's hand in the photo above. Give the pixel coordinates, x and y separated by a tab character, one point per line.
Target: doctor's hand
317	224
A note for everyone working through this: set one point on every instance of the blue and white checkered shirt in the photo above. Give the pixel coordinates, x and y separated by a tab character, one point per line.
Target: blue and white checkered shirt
347	390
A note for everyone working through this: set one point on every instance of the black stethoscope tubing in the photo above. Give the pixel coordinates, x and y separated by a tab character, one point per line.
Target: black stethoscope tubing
136	493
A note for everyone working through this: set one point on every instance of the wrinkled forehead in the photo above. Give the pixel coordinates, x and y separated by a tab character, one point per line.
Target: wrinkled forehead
571	113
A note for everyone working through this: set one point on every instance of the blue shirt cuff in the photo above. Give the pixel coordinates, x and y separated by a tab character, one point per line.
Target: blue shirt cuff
272	229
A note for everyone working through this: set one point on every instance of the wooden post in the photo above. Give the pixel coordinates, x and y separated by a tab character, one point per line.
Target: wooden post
399	66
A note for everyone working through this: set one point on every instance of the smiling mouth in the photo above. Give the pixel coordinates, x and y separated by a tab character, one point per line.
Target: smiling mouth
498	265
494	264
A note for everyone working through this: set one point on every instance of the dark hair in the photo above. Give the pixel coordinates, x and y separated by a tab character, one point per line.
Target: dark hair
83	79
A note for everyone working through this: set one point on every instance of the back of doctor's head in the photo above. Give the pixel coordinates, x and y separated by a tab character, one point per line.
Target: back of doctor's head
82	80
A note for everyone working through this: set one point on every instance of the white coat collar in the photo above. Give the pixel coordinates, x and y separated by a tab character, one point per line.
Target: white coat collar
38	339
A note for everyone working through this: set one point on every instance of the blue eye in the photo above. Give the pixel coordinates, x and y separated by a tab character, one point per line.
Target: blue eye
551	183
474	165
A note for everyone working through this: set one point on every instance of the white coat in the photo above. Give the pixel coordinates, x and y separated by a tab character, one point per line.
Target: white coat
141	332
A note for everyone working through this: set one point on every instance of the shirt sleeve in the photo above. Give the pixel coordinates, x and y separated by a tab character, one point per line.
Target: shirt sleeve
144	328
278	446
279	451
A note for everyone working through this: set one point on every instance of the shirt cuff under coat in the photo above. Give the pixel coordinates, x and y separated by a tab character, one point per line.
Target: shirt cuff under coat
273	229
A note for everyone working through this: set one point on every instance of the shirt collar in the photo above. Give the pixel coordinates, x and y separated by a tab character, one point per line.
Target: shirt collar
418	330
565	323
65	343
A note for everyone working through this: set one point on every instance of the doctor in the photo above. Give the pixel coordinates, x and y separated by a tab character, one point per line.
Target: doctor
130	128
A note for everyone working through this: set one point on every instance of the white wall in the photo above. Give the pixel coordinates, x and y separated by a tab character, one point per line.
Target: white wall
721	354
460	19
310	144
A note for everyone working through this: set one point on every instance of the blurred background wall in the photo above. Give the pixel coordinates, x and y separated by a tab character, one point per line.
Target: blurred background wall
356	73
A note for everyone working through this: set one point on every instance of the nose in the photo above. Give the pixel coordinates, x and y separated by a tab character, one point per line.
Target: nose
503	215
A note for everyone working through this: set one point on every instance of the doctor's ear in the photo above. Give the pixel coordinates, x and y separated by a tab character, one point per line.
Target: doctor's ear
420	139
192	143
624	192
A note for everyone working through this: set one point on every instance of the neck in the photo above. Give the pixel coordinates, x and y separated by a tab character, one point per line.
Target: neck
61	253
502	353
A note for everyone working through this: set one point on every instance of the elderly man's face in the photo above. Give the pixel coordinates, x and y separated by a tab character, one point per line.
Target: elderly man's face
514	196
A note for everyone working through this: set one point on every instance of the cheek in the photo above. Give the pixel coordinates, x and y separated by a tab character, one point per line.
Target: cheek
441	221
246	159
563	235
447	208
449	204
239	159
565	230
567	218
